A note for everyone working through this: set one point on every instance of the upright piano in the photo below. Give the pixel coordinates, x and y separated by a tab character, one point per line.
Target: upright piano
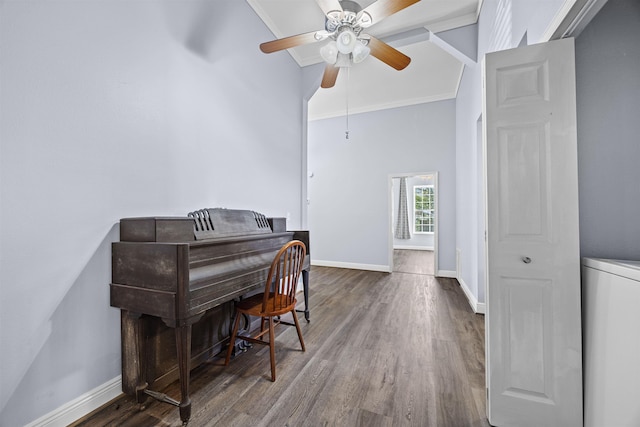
174	279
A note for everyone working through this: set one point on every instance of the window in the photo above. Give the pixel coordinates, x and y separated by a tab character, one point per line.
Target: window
423	208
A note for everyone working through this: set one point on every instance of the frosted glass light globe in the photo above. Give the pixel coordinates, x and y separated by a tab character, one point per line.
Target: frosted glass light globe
346	41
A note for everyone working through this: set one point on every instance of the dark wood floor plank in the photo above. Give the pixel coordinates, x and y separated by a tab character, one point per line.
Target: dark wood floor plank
371	419
294	405
399	349
453	391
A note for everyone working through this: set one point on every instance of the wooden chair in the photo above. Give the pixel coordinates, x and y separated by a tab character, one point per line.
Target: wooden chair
278	298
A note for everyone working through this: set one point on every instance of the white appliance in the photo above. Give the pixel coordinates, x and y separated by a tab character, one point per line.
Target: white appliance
611	346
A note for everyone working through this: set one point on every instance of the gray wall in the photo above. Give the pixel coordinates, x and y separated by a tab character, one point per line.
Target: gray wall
608	106
349	215
112	109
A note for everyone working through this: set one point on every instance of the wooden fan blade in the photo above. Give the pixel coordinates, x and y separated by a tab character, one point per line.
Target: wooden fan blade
329	5
329	77
288	42
383	8
388	54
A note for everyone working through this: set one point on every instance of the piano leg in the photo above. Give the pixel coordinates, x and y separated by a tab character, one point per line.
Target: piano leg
305	285
183	345
132	331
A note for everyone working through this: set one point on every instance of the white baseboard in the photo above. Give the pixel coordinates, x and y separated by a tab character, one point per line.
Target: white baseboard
414	248
353	266
477	307
81	406
446	273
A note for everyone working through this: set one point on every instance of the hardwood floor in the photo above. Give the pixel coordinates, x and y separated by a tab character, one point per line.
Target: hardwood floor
399	349
411	261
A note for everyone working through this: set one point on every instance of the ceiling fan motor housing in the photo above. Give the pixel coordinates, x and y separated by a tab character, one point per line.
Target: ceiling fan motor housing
351	6
348	17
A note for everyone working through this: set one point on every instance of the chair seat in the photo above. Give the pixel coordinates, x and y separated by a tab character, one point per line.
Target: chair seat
253	305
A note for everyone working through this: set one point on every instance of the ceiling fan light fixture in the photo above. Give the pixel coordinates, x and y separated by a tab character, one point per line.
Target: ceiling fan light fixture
344	22
346	41
329	52
344	60
360	52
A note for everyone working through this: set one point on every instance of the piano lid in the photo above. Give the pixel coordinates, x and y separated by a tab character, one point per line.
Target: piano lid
203	224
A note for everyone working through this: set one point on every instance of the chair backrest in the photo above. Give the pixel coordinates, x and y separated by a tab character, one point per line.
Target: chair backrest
282	282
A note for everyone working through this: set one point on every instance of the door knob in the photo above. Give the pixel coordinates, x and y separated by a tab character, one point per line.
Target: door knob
526	259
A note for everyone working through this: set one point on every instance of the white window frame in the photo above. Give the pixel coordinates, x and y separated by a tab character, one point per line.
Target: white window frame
433	208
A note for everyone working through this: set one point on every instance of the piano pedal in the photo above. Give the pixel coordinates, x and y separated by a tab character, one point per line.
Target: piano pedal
240	347
161	397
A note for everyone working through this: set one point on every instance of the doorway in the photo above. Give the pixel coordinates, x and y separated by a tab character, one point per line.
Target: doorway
421	195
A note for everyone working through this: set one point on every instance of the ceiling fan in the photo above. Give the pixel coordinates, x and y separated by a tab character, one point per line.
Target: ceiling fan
344	22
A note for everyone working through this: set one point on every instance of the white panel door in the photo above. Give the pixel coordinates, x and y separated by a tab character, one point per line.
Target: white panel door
533	319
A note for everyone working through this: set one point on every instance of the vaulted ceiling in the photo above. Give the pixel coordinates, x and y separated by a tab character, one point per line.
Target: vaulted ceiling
436	63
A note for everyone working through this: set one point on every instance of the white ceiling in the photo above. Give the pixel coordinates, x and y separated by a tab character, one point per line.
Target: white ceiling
433	74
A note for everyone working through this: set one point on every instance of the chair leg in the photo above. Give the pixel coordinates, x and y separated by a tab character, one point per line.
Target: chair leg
272	349
232	339
295	319
262	320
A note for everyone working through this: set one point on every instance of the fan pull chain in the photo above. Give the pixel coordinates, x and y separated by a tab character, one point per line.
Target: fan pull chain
346	133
